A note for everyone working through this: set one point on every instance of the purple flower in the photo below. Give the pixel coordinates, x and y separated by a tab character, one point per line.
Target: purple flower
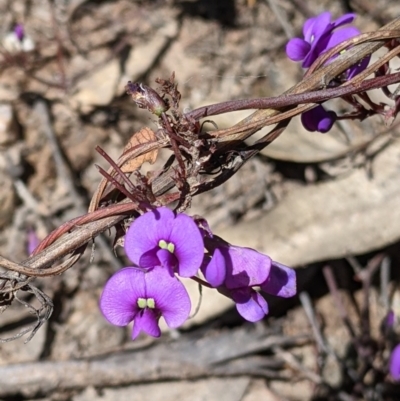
318	119
320	34
394	364
143	297
163	238
235	271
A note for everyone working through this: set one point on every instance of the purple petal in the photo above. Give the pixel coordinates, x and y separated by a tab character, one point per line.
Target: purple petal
245	267
147	321
318	47
318	119
297	49
326	123
317	27
281	281
250	304
307	28
118	302
215	270
394	364
344	19
340	36
356	69
146	231
170	296
167	260
149	259
189	245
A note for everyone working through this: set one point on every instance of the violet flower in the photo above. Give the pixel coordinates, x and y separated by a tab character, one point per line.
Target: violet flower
235	271
163	238
394	363
143	297
320	35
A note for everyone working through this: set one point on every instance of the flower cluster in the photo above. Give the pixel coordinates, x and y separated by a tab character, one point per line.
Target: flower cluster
321	34
163	245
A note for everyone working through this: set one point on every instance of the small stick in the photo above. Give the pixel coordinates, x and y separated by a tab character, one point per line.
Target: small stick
331	282
385	278
309	310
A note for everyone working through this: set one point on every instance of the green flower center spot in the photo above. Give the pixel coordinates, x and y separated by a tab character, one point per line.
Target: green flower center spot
146	303
169	246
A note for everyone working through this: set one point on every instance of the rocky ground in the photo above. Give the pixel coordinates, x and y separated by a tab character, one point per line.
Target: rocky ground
328	205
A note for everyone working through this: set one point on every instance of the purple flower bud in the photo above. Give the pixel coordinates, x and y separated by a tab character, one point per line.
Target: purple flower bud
394	364
318	119
214	269
147	98
143	297
161	237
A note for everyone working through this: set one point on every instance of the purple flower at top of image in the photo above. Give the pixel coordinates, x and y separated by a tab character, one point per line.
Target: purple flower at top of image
394	363
235	271
320	34
163	238
143	297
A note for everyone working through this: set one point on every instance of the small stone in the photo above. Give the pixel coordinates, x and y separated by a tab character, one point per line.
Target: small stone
97	89
8	126
7	198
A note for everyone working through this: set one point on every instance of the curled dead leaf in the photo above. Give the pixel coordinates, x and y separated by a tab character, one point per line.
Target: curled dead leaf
129	164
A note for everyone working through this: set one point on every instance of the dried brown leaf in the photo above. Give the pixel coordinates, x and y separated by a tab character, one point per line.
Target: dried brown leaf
128	164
